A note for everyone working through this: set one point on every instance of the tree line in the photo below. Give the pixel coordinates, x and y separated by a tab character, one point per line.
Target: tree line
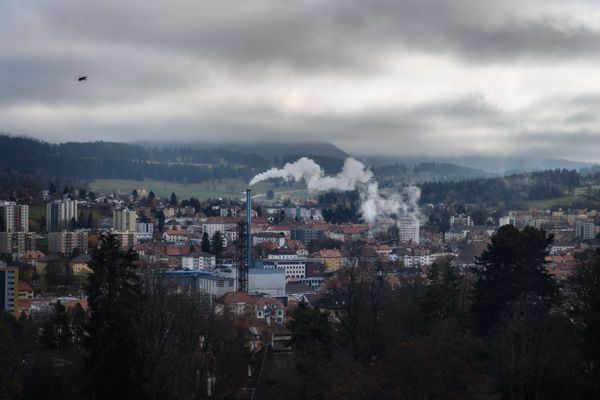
510	190
139	340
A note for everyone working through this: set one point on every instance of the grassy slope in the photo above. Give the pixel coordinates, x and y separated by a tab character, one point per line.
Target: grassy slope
560	201
228	188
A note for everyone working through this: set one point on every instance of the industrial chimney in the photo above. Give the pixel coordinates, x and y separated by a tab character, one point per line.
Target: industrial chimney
248	229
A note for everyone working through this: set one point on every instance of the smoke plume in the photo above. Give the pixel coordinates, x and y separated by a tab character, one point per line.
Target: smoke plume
375	202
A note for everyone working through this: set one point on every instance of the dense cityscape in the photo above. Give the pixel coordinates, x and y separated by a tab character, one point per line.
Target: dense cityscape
311	200
267	295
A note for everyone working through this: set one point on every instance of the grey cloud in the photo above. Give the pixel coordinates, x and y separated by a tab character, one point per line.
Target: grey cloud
337	34
139	50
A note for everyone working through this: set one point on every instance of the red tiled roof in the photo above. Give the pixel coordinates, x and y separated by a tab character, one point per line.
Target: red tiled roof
326	253
235	297
177	251
181	232
70	305
222	220
24	287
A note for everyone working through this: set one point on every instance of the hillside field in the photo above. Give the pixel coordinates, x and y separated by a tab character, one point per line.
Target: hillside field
227	188
562	201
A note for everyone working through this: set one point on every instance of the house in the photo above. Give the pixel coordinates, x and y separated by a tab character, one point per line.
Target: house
314	275
561	266
235	303
332	258
298	247
283	253
80	265
261	237
176	236
270	309
31	257
198	261
467	257
25	291
241	304
220	224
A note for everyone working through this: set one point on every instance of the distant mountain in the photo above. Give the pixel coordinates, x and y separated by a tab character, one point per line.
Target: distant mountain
494	165
108	160
427	172
267	150
179	162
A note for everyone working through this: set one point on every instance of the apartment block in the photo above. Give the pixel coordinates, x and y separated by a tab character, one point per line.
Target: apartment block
9	290
59	215
14	217
124	220
16	242
65	242
408	229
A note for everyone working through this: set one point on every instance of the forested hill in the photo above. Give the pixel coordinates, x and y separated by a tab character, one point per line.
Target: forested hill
426	172
109	160
190	163
509	190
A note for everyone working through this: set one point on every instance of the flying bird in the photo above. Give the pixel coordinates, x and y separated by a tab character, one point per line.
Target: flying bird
82	78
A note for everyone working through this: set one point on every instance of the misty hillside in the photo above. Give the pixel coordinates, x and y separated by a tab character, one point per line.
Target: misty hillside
179	163
267	150
192	163
491	165
427	172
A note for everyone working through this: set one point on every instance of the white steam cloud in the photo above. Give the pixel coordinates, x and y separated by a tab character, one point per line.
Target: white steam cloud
375	202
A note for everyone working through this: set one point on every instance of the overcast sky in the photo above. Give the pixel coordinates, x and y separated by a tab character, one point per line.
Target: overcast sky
416	77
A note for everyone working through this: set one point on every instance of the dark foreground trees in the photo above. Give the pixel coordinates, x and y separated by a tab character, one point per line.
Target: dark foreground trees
585	312
511	269
10	361
115	357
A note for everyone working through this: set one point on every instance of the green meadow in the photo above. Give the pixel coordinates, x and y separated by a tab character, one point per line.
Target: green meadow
227	188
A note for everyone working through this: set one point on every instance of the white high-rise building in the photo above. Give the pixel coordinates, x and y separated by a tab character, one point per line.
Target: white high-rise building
408	229
59	215
585	230
14	217
124	220
507	221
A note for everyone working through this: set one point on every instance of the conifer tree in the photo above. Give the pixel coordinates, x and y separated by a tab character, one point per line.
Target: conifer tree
217	244
115	358
205	243
512	268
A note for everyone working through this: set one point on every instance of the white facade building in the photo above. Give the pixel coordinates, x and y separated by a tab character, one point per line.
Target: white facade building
145	230
270	281
408	229
507	221
585	230
199	261
59	215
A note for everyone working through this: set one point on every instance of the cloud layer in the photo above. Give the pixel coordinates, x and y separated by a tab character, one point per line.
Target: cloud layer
389	77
